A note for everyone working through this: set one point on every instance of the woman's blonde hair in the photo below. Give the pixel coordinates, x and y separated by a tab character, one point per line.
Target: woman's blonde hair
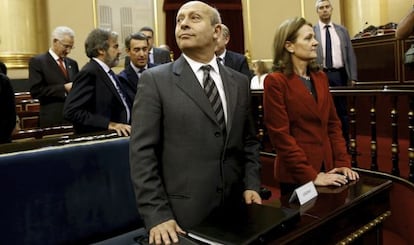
288	31
261	67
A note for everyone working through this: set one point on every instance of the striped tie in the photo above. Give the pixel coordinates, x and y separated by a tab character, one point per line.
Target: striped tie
213	96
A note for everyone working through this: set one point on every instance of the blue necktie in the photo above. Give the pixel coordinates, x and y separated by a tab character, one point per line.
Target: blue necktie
118	88
328	49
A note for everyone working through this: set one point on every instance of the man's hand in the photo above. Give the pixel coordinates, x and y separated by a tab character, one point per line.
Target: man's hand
165	233
120	128
251	196
68	87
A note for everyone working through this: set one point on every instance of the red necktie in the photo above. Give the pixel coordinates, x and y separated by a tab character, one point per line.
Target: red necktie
62	67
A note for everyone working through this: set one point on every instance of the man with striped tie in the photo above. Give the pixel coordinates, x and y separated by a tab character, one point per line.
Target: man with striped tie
193	147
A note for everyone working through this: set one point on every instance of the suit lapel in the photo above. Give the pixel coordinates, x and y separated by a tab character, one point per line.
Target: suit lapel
69	67
230	90
304	95
106	80
319	49
320	88
56	69
188	83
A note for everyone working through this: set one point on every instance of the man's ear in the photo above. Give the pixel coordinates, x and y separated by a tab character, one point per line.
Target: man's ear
227	40
217	31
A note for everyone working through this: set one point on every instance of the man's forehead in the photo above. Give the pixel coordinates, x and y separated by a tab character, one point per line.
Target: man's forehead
139	43
194	7
324	3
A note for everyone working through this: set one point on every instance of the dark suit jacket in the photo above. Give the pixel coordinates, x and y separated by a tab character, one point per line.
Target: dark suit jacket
304	132
237	62
93	101
181	164
161	56
47	84
348	54
130	79
7	109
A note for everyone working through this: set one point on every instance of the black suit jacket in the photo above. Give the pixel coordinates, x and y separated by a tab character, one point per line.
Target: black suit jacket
161	56
130	79
182	165
237	62
47	84
93	101
7	109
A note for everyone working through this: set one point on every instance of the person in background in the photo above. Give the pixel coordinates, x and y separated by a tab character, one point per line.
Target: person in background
51	75
260	71
165	46
406	26
188	159
136	46
300	115
7	109
3	68
336	55
155	55
97	101
229	58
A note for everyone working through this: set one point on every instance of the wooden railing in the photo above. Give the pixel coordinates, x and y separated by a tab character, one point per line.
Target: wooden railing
401	99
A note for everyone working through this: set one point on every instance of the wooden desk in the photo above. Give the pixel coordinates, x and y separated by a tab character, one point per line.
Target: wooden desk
380	60
352	214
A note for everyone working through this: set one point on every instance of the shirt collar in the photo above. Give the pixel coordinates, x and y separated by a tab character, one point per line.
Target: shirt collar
102	64
53	54
195	65
322	25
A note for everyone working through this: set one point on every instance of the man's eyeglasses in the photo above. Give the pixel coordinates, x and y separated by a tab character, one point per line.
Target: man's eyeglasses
66	46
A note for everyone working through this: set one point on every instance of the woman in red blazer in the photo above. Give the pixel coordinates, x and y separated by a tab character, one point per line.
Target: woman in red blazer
300	116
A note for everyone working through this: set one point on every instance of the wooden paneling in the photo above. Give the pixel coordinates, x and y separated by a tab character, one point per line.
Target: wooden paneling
380	60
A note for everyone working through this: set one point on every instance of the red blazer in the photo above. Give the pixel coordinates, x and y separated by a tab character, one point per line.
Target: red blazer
305	132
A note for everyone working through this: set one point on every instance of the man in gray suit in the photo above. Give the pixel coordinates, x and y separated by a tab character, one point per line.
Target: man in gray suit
184	162
337	57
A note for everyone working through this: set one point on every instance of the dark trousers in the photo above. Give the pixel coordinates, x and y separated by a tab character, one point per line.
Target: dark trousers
338	77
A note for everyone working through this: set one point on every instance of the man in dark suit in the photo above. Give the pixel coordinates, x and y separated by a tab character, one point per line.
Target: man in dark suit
341	67
51	75
187	158
156	56
136	46
97	101
229	58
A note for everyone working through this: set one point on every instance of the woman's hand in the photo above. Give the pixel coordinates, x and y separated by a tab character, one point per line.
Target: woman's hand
349	173
325	179
336	177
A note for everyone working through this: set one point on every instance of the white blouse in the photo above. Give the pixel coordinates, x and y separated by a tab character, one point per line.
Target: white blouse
257	82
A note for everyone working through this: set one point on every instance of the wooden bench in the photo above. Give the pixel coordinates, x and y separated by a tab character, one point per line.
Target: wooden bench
27	109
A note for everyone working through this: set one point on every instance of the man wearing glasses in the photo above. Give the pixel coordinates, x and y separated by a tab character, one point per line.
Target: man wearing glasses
51	75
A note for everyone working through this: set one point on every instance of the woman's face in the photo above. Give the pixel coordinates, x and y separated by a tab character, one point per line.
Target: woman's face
304	47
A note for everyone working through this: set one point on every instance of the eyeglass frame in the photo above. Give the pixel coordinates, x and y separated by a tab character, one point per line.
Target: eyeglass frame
65	46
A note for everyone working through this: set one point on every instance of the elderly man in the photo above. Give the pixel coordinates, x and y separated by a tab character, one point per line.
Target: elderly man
193	147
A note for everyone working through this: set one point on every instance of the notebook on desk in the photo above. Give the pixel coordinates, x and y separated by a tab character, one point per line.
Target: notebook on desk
251	224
